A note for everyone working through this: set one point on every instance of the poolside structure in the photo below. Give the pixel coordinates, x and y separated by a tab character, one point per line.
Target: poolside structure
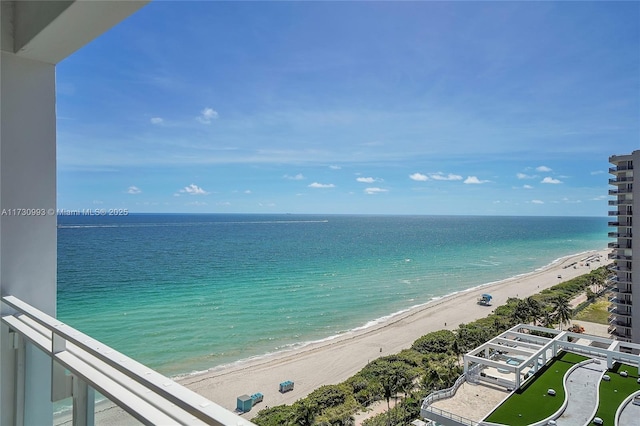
506	363
625	201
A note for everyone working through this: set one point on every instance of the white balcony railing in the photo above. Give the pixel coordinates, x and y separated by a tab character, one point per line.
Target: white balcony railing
146	395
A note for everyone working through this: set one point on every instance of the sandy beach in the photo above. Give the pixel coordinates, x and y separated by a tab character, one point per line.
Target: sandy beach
334	361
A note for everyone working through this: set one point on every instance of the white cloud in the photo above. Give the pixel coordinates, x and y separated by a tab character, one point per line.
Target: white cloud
98	202
599	198
335	167
368	179
197	203
248	191
442	176
524	176
543	169
474	180
299	176
321	185
549	179
207	115
537	202
373	191
193	189
597	172
156	120
134	190
419	177
527	186
223	203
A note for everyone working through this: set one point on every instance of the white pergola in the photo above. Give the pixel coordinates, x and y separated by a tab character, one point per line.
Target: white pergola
529	352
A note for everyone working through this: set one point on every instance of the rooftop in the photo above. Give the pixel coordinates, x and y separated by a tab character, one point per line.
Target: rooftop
507	381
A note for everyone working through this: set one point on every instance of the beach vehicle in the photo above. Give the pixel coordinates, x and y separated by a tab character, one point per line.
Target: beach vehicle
485	299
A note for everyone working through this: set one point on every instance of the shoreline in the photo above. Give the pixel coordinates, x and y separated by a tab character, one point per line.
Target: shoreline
336	358
387	319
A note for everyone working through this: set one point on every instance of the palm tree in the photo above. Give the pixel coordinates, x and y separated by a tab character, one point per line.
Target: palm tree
595	283
520	313
305	413
497	324
562	310
534	309
394	379
457	349
547	319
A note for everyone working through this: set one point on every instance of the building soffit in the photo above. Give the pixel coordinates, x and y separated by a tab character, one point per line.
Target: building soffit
49	31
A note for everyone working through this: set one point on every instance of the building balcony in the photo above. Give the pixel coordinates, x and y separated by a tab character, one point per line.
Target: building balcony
620	202
621	180
621	336
618	313
620	168
616	256
623	284
620	191
620	324
620	268
146	395
617	301
620	213
613	245
620	235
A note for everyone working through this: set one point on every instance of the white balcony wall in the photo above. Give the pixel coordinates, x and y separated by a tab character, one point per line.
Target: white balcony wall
35	36
27	242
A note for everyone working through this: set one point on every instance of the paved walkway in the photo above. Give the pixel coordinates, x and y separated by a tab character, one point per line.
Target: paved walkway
582	393
630	415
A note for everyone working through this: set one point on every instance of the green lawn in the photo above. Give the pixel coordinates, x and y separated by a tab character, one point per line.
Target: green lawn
595	312
612	393
531	403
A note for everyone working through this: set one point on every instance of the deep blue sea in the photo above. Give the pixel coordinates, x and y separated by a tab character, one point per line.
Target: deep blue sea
184	293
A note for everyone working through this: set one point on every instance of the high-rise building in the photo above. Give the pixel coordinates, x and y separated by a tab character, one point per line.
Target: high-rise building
623	310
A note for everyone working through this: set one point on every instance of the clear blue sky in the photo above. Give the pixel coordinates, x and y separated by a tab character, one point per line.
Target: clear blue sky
496	108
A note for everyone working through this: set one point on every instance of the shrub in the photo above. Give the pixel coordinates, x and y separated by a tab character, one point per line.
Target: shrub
438	341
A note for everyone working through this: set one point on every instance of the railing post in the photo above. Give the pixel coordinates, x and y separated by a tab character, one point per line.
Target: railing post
60	380
83	403
19	378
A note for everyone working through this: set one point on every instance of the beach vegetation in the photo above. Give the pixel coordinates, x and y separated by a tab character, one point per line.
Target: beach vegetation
432	363
277	416
473	334
594	312
329	396
305	412
562	310
437	341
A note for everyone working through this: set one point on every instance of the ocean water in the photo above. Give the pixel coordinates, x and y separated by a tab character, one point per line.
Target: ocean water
186	293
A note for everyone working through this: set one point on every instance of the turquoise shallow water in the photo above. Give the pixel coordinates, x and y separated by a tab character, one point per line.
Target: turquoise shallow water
185	293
